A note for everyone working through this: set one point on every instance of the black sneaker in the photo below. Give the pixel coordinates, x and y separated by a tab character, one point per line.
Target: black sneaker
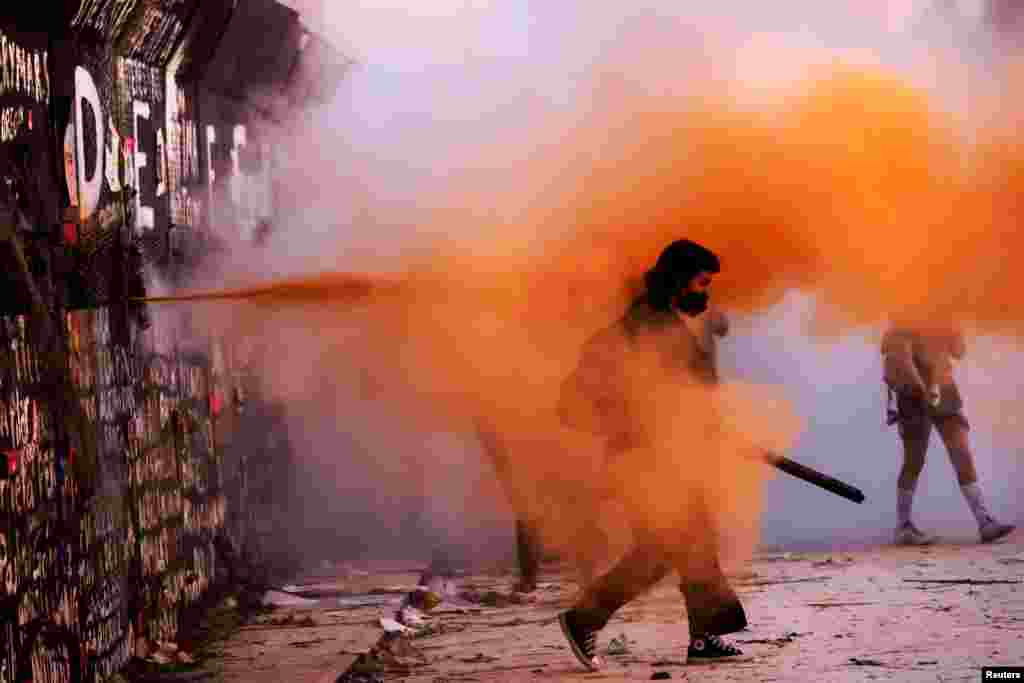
708	647
582	637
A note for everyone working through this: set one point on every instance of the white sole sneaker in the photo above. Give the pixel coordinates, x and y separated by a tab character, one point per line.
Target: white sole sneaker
591	663
911	536
994	531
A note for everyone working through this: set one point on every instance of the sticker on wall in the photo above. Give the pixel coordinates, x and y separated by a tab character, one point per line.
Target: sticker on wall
113	157
70	172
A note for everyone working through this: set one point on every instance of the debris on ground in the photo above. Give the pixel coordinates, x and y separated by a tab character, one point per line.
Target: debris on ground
924	631
410	616
423	599
274	598
393	653
618	646
782	557
776	582
354	677
785	639
860	661
478	658
307	643
494	598
840	604
366	600
287	620
391	590
965	582
166	653
392	626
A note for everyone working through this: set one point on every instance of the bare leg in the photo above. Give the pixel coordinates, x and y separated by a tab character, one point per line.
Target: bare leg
528	554
915	435
528	546
955	436
954	431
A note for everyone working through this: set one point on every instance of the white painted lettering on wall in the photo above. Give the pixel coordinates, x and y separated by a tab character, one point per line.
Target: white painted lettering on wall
161	155
145	217
90	181
113	157
22	71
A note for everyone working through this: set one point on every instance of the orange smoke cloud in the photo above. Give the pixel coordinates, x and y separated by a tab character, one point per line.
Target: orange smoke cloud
853	186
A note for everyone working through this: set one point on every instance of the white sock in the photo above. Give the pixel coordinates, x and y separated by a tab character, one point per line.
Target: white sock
904	502
972	493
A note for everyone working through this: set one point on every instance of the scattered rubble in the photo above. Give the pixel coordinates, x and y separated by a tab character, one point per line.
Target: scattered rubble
782	557
965	582
780	581
786	639
478	658
822	605
392	626
495	599
274	598
618	646
831	561
860	661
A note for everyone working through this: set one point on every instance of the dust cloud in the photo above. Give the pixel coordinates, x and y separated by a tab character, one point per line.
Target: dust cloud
508	215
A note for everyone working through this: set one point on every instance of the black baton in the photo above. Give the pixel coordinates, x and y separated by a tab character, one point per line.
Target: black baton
812	476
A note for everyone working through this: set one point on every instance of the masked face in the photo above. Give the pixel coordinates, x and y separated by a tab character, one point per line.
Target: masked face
692	303
693	299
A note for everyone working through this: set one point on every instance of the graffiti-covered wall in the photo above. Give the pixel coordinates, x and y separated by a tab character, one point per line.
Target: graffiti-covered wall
127	148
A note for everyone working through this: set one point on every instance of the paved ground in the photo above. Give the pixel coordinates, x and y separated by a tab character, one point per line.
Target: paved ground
885	614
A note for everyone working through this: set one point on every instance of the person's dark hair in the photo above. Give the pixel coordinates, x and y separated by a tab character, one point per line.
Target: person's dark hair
679	263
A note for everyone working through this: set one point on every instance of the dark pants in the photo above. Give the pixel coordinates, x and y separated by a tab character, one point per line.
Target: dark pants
528	547
712	605
528	553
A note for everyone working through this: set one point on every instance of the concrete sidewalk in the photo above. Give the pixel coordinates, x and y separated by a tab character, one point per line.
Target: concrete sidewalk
886	614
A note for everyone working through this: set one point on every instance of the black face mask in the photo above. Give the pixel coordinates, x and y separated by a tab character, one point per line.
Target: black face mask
692	303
